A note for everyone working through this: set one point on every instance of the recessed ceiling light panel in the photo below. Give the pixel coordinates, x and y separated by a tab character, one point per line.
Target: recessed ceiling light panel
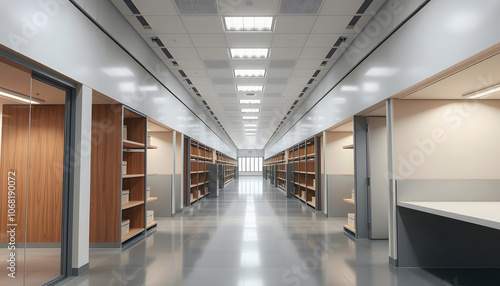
250	110
248	23
245	88
249	101
250	125
250	117
249	73
249	53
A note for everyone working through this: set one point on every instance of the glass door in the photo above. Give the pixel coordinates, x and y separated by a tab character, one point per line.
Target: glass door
32	176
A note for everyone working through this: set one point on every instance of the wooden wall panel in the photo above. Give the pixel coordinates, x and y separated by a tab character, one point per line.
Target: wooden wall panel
46	157
105	182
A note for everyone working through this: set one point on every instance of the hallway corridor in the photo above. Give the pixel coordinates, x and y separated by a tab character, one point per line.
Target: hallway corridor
251	235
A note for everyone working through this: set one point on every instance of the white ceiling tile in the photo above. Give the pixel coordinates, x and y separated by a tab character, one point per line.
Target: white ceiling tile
308	64
333	24
307	73
285	53
199	80
196	72
209	40
176	40
122	7
190	64
274	88
220	72
314	54
340	7
289	40
225	88
293	90
183	53
294	24
302	80
374	7
246	8
166	24
206	89
155	7
249	40
203	24
323	40
249	63
213	53
279	72
249	81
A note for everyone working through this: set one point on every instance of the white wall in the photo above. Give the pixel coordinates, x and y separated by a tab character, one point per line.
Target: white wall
338	160
412	54
446	139
161	160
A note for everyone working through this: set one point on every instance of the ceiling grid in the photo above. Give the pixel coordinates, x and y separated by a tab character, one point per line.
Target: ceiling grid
306	39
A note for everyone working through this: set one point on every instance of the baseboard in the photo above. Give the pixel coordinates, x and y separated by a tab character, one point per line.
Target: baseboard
81	270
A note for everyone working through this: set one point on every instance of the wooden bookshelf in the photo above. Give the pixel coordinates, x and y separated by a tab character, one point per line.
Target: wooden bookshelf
276	166
230	166
198	157
305	157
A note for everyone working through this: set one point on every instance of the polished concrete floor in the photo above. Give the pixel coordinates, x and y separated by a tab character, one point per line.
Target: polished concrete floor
253	236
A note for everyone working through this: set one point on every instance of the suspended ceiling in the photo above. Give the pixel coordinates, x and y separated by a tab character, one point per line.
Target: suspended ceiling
304	35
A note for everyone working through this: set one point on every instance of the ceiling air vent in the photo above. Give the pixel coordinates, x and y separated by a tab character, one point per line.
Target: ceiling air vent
316	73
211	112
323	63
189	81
340	40
353	22
299	6
197	7
295	102
143	22
288	112
310	81
183	74
331	52
364	6
195	89
167	53
305	89
132	6
157	41
204	102
301	94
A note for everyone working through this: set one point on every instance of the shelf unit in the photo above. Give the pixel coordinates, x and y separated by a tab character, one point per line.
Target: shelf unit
276	166
350	229
305	157
230	166
198	158
134	180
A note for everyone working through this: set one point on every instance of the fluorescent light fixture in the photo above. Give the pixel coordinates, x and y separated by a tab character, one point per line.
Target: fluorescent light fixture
249	73
148	88
250	110
251	129
483	92
250	124
18	98
381	72
349	88
248	23
245	88
118	72
250	133
249	101
249	53
250	117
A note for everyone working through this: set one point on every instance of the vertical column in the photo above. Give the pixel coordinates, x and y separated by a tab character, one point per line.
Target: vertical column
81	187
361	176
393	258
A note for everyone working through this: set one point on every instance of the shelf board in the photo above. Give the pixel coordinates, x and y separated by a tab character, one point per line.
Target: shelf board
131	233
349	228
153	223
133	144
350	146
348	175
350	201
150	199
131	204
152	174
127	176
152	147
311	203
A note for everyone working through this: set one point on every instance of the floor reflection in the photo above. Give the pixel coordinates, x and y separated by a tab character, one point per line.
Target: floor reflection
253	236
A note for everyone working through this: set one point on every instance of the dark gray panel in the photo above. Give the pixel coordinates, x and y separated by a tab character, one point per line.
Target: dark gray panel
193	7
339	187
161	187
299	6
178	193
